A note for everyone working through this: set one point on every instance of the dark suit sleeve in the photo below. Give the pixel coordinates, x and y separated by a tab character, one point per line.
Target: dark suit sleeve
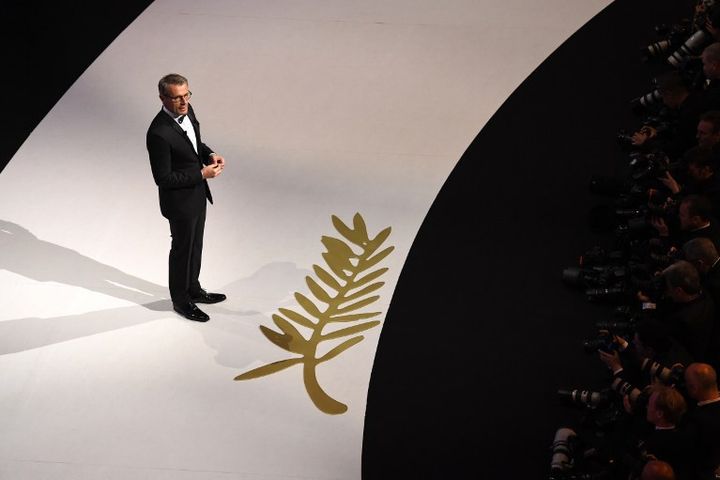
161	164
205	152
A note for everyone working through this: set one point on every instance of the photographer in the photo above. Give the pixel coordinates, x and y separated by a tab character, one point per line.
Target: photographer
711	69
651	344
666	441
708	129
676	129
702	253
703	422
694	220
690	313
700	176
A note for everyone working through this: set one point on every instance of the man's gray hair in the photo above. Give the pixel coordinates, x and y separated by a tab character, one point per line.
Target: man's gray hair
700	248
683	274
170	79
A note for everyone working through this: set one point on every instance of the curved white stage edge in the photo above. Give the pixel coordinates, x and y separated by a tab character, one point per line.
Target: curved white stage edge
321	108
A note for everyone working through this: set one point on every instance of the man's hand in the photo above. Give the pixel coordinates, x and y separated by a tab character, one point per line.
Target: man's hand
659	224
671	183
715	32
211	171
642	297
627	405
612	360
645	134
217	160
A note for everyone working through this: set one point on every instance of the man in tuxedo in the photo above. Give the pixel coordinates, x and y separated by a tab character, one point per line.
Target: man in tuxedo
181	166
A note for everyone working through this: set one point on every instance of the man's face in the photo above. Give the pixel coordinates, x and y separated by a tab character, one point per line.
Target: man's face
698	173
706	135
687	222
177	99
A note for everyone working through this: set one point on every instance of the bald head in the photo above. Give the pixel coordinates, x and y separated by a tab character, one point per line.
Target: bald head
701	252
701	382
657	470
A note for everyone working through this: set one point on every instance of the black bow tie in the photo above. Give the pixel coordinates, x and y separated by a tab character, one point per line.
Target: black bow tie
181	118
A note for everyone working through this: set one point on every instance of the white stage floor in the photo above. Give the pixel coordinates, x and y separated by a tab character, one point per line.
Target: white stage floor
320	108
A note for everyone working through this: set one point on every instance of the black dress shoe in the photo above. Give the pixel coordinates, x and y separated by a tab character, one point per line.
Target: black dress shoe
191	312
206	297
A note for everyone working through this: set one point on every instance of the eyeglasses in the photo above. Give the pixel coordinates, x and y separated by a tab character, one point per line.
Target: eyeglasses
177	99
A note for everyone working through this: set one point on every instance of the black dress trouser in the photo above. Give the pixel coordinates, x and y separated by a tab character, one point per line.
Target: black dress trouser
186	257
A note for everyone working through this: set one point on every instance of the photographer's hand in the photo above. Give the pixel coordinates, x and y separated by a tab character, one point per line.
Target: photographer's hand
659	224
612	360
642	136
670	183
627	404
715	32
621	343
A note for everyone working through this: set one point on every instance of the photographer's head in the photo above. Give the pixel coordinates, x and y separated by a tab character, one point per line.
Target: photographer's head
694	212
672	88
711	61
665	407
651	338
700	164
701	382
701	252
708	129
682	282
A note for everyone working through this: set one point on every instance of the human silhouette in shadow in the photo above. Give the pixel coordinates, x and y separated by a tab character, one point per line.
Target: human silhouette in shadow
25	254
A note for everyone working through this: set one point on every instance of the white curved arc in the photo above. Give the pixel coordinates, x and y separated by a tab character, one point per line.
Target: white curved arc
320	108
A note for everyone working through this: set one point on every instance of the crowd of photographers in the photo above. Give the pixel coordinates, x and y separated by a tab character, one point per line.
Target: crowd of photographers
659	415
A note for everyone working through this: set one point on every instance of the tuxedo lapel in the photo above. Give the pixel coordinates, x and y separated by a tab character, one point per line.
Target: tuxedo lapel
196	128
178	129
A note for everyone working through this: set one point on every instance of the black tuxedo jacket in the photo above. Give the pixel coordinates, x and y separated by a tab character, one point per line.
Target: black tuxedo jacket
176	167
703	424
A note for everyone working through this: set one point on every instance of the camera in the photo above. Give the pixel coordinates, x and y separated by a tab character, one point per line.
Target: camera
649	166
674	375
618	327
638	398
574	459
604	341
693	46
672	36
598	256
587	398
596	276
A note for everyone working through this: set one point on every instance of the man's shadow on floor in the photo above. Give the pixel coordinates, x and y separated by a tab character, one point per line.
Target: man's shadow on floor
25	254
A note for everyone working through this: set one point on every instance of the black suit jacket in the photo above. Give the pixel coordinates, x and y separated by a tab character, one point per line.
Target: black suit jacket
703	424
176	167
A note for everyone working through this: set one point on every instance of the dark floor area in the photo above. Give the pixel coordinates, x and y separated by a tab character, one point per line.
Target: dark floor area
45	46
481	332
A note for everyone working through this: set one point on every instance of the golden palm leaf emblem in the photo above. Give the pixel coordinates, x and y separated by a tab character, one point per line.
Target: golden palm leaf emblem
340	291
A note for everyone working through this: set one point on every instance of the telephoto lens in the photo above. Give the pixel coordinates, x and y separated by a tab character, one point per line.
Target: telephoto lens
586	398
693	46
